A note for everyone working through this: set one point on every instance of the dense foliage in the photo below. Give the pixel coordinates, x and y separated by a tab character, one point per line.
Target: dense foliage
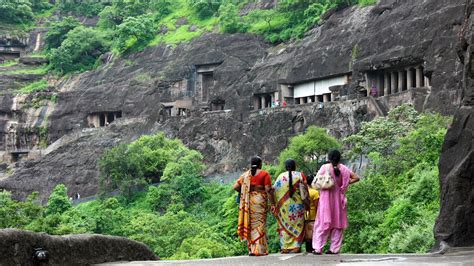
58	31
21	11
130	26
309	149
79	51
392	209
150	159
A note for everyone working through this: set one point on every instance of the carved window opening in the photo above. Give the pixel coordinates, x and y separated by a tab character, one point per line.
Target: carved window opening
102	119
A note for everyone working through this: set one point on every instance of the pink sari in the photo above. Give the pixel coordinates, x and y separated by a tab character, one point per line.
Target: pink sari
332	209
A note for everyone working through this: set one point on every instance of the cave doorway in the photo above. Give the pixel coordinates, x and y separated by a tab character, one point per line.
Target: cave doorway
207	85
102	120
268	101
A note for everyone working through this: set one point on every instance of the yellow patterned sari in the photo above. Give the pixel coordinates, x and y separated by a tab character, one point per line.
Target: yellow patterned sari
291	211
253	218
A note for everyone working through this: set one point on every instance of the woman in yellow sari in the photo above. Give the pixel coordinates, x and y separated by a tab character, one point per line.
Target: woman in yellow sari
291	195
254	187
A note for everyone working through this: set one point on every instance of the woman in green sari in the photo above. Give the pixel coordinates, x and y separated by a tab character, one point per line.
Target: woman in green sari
292	201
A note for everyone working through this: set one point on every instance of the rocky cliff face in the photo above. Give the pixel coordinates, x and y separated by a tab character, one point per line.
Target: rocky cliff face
359	43
455	223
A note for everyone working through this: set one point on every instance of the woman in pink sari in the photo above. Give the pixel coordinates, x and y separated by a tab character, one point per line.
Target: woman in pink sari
331	220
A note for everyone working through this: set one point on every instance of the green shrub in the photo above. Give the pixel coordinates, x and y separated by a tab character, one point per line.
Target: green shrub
134	33
58	30
229	20
58	201
79	51
88	8
147	160
205	8
16	11
308	149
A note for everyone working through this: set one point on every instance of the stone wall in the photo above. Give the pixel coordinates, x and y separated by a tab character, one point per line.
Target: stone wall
455	223
18	247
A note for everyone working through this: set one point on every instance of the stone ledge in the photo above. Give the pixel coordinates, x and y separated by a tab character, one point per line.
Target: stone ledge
17	248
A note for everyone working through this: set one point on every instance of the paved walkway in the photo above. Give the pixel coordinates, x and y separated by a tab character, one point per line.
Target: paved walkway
458	257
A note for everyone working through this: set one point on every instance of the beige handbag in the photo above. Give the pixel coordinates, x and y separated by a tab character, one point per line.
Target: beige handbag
324	181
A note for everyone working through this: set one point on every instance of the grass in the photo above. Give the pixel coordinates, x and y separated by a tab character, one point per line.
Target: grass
34	87
181	33
278	20
9	63
367	2
42	70
45	13
42	54
143	78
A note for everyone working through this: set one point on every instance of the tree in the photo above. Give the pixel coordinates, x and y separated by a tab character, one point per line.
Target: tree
79	51
58	30
229	20
87	8
16	12
58	201
147	160
134	33
205	8
381	135
308	149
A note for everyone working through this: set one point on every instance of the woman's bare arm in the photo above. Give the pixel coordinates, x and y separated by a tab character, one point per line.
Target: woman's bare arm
237	187
353	178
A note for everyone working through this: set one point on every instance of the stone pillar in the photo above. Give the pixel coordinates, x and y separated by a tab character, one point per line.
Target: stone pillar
380	85
326	97
419	77
333	97
262	102
368	84
394	82
410	79
386	84
401	76
427	82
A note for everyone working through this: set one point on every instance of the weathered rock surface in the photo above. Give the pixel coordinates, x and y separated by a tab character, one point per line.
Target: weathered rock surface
455	223
353	40
17	247
33	60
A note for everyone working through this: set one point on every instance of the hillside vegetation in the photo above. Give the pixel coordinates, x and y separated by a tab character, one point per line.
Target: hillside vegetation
130	26
392	209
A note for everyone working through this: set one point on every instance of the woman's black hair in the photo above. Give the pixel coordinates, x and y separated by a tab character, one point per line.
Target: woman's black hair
290	165
255	163
334	157
309	179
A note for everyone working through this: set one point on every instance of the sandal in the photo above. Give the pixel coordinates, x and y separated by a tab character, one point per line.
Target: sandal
331	253
316	253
